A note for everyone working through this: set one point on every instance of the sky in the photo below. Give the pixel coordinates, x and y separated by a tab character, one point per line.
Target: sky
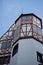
11	9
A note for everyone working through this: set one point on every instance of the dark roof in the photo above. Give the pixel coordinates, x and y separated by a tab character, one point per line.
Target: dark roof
28	15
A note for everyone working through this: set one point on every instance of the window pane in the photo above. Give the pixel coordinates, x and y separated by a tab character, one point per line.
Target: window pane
24	28
35	28
16	32
5	60
39	57
39	31
34	18
15	50
24	18
6	45
29	17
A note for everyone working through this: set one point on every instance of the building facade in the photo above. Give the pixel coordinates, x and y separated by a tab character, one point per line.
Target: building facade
24	41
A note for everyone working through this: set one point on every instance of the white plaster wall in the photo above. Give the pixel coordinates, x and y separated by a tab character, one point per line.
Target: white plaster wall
27	52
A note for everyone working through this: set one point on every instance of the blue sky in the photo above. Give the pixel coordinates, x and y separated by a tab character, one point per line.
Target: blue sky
11	9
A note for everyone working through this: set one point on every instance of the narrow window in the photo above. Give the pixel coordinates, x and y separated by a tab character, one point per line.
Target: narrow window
15	50
5	60
39	57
